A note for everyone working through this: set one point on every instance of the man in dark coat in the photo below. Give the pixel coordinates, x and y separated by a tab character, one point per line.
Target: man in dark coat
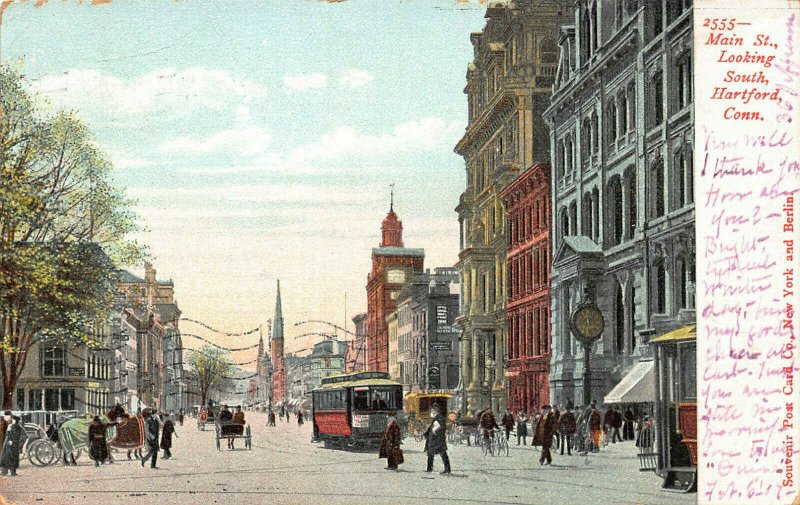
167	431
615	425
567	426
116	412
436	440
545	431
12	446
508	423
390	445
98	445
299	418
271	418
151	428
487	424
627	424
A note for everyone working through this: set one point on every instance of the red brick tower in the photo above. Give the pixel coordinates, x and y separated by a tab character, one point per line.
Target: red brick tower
391	266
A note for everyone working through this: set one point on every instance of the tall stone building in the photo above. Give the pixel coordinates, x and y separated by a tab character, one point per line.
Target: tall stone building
356	356
392	264
527	202
622	198
508	88
276	346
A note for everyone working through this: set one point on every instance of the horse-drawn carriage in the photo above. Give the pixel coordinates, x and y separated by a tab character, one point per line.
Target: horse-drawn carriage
417	408
205	415
230	428
71	438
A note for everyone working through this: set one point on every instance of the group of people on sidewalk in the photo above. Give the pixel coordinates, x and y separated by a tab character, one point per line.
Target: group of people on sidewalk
284	412
583	430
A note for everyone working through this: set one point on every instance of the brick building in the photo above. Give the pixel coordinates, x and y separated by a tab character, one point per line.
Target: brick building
392	264
527	203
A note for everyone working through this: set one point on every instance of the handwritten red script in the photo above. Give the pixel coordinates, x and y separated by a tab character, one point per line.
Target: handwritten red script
747	132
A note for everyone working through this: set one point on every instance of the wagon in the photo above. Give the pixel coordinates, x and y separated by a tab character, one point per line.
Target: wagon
233	430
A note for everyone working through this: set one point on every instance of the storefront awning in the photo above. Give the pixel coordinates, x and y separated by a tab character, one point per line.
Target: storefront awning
688	332
636	387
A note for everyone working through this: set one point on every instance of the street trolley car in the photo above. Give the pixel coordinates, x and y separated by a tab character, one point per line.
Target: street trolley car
352	409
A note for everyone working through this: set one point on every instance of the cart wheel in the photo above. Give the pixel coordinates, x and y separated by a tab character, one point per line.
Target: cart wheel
43	453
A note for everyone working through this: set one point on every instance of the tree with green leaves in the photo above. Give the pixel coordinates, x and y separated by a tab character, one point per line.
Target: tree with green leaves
212	369
64	229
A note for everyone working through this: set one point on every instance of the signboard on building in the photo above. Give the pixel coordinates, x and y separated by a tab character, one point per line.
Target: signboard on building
76	372
434	377
447	329
444	345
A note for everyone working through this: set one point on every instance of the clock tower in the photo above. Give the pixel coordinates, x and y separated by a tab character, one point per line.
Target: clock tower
392	264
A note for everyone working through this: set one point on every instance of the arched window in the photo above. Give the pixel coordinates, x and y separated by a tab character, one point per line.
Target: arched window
586	140
611	121
680	178
585	35
615	205
632	304
630	178
661	288
586	215
595	133
564	222
657	189
594	27
596	214
623	112
573	218
619	322
689	161
548	51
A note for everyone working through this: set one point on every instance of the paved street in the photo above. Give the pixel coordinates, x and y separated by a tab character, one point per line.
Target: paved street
285	468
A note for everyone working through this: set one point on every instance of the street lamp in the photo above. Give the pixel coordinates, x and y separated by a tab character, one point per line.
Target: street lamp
587	324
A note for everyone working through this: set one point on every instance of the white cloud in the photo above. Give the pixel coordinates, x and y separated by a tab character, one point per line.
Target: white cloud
158	90
248	141
304	82
423	134
356	78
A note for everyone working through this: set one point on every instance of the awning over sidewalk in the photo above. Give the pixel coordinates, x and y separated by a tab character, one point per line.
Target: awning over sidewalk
688	332
636	387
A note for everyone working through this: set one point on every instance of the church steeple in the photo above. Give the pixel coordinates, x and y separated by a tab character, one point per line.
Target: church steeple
277	320
391	228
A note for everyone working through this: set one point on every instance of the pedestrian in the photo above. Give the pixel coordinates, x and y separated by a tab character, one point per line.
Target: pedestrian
616	424
151	429
595	423
288	414
627	424
237	419
98	445
566	428
508	423
390	445
167	430
180	417
13	441
5	421
271	418
545	431
435	439
522	428
299	418
556	437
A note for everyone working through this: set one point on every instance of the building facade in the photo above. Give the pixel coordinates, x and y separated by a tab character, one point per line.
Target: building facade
527	203
621	123
276	347
428	351
356	356
392	263
508	88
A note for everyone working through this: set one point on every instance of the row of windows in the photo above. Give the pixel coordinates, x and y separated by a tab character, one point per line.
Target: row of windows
46	399
528	272
528	220
528	333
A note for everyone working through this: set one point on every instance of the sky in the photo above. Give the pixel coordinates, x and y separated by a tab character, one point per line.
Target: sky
260	138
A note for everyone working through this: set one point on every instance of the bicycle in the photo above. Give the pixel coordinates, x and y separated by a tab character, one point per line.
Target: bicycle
500	443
